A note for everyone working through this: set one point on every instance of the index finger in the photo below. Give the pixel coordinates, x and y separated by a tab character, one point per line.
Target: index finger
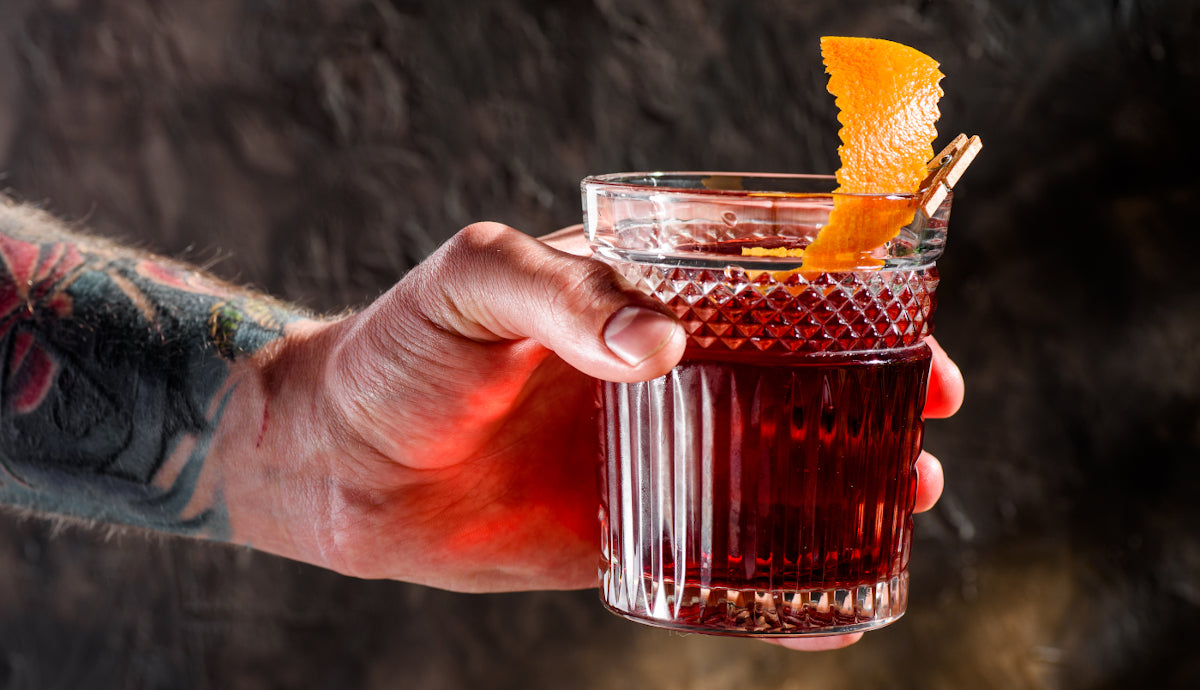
946	387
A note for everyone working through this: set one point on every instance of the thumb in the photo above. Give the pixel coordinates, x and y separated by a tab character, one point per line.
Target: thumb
491	282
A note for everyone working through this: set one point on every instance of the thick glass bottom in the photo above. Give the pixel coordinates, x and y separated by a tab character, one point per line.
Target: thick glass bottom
757	613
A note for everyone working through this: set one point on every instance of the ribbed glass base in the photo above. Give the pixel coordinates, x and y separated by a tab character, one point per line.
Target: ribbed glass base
782	613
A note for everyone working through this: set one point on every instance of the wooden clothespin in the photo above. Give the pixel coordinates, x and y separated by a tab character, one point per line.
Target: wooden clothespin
945	170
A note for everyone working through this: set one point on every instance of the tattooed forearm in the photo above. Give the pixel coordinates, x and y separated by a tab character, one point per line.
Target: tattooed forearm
114	373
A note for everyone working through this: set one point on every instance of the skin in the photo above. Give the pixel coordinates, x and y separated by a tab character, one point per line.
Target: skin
443	435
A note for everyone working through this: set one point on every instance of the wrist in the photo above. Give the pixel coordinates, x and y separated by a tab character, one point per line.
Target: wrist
275	449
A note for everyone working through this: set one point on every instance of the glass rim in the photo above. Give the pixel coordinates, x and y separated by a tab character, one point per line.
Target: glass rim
638	183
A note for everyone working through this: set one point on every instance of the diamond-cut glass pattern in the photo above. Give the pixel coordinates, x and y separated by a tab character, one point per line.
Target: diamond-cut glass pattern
763	311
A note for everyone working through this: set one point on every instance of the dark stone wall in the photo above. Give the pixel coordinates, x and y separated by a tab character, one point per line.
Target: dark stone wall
319	148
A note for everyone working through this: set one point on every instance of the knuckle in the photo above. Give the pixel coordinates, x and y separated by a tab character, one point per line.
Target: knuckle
466	246
469	252
478	236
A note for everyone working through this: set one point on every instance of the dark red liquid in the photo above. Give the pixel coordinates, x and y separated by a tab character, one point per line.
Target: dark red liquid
783	474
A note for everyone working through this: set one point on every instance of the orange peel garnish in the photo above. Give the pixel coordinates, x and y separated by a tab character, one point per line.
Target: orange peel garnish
887	94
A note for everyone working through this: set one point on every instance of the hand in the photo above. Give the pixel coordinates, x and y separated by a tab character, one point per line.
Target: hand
445	435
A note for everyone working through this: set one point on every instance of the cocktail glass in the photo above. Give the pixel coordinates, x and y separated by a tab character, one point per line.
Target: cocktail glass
765	486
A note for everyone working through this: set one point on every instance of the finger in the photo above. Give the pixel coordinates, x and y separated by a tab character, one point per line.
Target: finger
816	644
946	387
930	482
569	239
490	282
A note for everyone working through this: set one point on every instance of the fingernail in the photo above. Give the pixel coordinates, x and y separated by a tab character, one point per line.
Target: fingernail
635	333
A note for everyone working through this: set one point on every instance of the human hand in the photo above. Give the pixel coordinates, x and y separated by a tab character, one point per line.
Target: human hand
445	435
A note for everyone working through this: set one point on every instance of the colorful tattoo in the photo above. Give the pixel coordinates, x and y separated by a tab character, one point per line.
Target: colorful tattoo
112	364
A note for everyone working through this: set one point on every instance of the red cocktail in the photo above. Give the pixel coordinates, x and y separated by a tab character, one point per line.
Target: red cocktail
766	484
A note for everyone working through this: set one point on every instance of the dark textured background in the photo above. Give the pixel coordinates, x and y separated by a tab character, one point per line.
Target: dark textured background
318	148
